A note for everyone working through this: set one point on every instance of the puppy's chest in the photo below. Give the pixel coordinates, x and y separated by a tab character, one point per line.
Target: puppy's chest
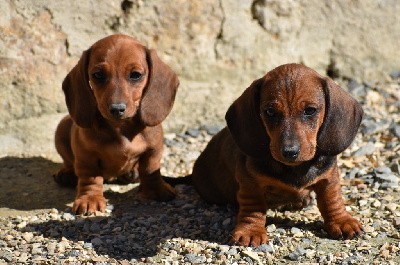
121	156
276	195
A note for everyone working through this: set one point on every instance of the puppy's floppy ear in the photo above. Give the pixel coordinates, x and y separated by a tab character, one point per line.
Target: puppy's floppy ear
244	122
342	119
78	95
160	93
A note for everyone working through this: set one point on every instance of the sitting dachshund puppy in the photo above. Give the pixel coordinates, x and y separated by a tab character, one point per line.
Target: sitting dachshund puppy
281	142
117	95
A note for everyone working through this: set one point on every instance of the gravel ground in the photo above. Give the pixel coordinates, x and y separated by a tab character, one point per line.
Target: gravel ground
187	230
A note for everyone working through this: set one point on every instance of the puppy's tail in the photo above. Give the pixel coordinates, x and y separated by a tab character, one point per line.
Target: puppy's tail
186	180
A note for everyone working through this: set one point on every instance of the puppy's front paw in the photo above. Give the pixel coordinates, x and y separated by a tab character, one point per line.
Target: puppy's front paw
249	237
347	228
89	204
161	192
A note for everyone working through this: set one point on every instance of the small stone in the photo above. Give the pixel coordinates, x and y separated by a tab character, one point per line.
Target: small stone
396	130
6	255
296	232
271	228
68	217
252	255
51	248
396	221
356	88
195	259
95	228
383	169
27	236
295	255
367	149
368	229
388	180
73	253
376	204
22	225
193	132
232	251
362	202
88	245
265	248
391	207
23	258
36	249
395	75
170	136
212	129
224	248
384	253
226	222
96	241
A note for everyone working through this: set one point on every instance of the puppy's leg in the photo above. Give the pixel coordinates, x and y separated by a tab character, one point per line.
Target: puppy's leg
90	195
89	198
152	186
250	224
337	221
65	176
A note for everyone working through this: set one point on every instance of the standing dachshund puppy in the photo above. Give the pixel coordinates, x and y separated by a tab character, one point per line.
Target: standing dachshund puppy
283	135
117	96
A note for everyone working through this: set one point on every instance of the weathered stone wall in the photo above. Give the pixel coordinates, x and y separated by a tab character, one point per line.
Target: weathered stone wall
216	46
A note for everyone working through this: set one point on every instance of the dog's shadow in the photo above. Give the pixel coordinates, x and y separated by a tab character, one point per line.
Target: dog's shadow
27	184
139	228
135	229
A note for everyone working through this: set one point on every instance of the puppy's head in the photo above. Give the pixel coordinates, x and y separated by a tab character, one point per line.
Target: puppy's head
293	113
119	79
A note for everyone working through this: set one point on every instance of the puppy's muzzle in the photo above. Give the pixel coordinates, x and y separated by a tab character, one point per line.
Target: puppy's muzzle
117	110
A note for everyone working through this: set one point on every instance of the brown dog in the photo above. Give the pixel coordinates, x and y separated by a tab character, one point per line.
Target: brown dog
283	135
117	96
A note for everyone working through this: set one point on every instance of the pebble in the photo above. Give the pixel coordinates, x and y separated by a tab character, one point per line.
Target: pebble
96	241
68	217
266	248
395	75
27	236
396	130
296	232
367	149
391	207
195	259
226	222
271	228
212	129
252	255
396	222
193	132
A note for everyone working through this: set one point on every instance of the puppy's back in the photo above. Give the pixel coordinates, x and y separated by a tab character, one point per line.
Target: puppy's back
213	173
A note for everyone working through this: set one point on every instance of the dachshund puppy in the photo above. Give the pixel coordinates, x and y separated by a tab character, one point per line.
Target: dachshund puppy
117	95
283	135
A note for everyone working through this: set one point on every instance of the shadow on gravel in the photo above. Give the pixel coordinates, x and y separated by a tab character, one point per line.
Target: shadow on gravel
27	184
139	229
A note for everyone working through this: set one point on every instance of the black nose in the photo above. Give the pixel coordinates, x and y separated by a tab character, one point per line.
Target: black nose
117	110
291	152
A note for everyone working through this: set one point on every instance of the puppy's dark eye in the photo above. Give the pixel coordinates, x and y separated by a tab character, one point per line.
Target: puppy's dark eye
270	112
99	76
135	76
310	111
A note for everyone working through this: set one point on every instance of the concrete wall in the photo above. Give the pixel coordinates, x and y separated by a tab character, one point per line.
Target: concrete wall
216	46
